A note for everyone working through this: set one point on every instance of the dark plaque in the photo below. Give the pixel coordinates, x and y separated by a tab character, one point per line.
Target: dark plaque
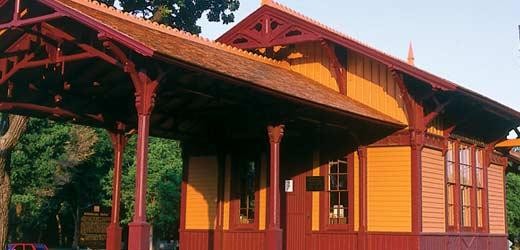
94	223
315	183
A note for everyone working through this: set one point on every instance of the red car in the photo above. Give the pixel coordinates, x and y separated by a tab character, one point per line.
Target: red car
27	246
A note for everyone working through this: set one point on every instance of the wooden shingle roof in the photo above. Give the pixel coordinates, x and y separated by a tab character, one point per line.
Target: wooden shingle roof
171	45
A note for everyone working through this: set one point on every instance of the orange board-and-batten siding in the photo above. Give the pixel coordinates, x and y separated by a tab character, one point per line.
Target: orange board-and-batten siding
497	224
201	192
368	82
389	201
313	62
372	84
433	200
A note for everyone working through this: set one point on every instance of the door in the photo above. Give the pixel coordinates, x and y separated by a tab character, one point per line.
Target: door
295	205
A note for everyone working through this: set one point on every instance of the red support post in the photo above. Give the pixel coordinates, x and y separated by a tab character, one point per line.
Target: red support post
139	229
114	229
274	231
362	159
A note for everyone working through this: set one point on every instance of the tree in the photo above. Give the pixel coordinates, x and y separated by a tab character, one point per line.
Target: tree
164	179
17	125
181	13
513	206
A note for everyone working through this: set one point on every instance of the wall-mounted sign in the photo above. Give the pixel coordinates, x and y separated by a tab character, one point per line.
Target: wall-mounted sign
315	183
289	186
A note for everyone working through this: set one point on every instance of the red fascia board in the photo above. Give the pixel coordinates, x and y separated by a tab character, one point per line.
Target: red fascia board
101	28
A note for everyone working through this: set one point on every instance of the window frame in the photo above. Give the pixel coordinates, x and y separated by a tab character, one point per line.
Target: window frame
483	189
459	225
234	212
325	198
471	188
454	186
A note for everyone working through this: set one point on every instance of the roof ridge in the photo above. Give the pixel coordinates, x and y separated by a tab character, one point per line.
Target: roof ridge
177	32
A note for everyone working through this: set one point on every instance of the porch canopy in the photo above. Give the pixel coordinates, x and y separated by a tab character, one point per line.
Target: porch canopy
82	62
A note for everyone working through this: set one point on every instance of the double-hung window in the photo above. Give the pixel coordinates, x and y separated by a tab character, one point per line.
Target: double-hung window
451	184
466	185
246	169
338	192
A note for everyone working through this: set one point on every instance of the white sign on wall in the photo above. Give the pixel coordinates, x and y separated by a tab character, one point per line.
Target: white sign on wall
288	186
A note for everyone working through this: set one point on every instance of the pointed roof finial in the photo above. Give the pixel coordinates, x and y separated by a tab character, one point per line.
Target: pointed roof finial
264	2
411	58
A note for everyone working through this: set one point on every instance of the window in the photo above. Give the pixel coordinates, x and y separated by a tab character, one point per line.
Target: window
338	192
466	184
246	169
450	185
479	166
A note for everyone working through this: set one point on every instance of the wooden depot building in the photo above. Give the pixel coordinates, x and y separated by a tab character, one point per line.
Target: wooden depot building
294	135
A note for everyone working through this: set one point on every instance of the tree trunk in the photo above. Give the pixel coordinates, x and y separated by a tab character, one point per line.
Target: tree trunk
17	126
77	223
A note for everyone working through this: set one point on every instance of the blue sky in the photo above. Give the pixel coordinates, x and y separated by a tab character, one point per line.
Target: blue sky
473	43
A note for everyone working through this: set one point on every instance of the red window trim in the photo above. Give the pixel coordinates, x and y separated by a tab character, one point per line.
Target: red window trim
325	196
234	211
458	224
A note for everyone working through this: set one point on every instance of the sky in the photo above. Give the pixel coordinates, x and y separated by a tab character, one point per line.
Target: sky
472	43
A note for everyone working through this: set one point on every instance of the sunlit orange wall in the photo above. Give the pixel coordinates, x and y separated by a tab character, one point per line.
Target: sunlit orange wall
372	84
496	194
389	201
313	63
201	192
368	81
433	200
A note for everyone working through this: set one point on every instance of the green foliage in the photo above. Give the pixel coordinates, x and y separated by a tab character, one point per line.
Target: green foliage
181	13
513	206
56	169
164	178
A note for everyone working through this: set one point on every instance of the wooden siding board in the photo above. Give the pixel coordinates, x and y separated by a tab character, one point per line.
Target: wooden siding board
389	189
201	192
433	191
496	199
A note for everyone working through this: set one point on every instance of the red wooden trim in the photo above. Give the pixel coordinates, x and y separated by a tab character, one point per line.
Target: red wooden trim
432	115
363	217
103	29
456	193
339	70
114	232
434	141
29	21
274	232
399	138
473	171
56	112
